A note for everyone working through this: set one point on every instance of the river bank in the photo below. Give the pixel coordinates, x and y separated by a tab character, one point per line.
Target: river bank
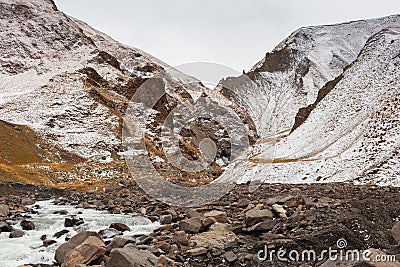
233	230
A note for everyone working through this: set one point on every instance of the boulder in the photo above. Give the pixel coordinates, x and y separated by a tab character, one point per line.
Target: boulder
396	232
163	245
192	225
89	251
266	225
164	261
16	233
120	227
27	225
242	203
86	205
130	256
220	216
4	210
192	213
71	222
208	221
196	251
5	227
27	201
120	242
75	241
61	212
61	233
280	210
218	236
257	215
108	233
172	212
144	240
180	238
230	256
166	219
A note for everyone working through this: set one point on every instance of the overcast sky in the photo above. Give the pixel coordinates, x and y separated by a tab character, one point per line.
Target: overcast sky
229	32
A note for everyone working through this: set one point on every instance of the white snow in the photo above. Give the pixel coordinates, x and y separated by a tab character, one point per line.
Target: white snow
275	97
352	131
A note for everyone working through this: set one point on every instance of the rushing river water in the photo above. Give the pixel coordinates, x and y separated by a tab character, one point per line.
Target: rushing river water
29	248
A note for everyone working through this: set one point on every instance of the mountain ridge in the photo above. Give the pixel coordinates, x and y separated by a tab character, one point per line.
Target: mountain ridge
71	84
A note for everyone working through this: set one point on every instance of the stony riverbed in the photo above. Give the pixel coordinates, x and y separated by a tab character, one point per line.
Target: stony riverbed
228	232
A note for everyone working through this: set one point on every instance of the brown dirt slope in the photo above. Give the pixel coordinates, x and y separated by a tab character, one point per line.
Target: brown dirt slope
24	156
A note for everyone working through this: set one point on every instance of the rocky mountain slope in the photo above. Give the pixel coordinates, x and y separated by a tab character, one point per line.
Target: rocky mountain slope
323	106
71	85
331	110
291	76
58	78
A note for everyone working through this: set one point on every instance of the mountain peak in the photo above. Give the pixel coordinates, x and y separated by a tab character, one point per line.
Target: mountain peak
72	84
43	4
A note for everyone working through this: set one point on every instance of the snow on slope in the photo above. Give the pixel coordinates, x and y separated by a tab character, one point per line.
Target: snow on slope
66	80
64	112
352	134
290	77
39	47
32	36
72	83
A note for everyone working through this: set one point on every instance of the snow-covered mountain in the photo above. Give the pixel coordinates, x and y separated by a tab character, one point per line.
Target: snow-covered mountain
291	76
323	106
66	80
331	105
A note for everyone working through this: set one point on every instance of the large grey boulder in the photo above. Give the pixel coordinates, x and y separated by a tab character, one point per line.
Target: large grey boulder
257	215
4	210
396	232
75	241
192	225
129	256
90	251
